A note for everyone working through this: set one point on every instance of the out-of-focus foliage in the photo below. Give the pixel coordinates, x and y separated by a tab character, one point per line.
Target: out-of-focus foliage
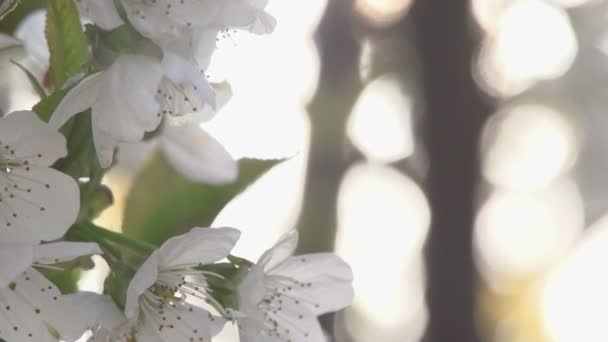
10	22
66	40
162	203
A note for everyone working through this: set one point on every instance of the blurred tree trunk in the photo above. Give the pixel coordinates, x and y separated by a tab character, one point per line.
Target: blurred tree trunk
455	113
337	91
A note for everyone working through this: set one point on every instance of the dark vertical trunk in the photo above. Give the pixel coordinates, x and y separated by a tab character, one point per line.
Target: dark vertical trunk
337	91
455	112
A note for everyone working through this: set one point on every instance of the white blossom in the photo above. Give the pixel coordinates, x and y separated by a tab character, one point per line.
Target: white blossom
122	101
102	12
166	293
31	307
192	151
185	90
106	322
37	203
282	295
133	96
190	27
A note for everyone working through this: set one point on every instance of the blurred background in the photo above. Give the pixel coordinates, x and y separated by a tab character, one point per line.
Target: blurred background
453	152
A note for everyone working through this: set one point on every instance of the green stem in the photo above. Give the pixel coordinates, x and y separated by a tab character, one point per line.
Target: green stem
238	261
98	232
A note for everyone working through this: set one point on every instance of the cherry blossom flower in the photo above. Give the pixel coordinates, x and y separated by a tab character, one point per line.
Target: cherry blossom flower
133	96
37	203
192	151
282	295
105	321
190	27
122	101
166	293
32	307
102	12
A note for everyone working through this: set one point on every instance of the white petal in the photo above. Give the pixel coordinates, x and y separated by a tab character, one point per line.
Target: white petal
148	334
7	41
205	45
197	155
14	259
326	281
105	146
281	250
249	17
102	12
98	310
31	32
252	291
32	304
37	204
78	99
290	324
10	48
181	71
52	253
182	323
145	277
127	106
25	138
198	246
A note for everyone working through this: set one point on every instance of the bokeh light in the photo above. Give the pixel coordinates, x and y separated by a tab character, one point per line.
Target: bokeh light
520	234
383	220
380	125
382	12
532	41
575	301
527	146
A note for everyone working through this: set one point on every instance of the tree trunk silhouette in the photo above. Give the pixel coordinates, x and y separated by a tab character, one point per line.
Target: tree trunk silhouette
337	91
455	112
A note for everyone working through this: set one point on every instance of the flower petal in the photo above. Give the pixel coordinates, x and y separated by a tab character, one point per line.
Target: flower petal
105	146
14	259
183	323
289	324
145	277
325	281
197	155
102	12
181	71
32	306
52	253
280	251
25	139
37	204
31	32
99	311
78	99
127	106
198	246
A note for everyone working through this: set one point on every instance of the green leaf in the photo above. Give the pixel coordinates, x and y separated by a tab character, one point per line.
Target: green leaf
33	80
66	281
7	6
108	45
66	39
163	203
45	107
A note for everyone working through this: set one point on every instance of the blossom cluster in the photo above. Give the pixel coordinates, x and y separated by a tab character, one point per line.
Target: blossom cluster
153	86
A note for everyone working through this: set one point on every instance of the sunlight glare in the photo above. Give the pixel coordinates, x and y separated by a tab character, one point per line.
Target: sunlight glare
518	234
383	221
382	12
277	74
533	41
527	146
380	125
575	299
